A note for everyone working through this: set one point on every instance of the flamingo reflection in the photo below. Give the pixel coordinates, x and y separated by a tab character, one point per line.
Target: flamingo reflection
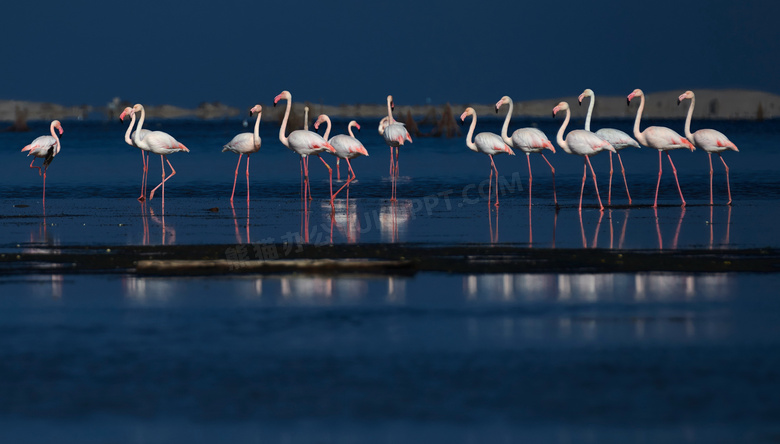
235	225
168	232
493	234
726	241
595	234
676	232
393	218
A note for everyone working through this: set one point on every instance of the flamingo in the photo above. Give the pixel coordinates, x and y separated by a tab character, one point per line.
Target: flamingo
660	138
305	143
583	143
45	147
488	143
129	141
527	140
709	140
245	143
346	146
395	135
157	142
617	138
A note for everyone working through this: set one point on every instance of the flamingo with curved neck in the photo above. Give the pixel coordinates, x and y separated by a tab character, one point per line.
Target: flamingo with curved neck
711	141
144	153
488	143
45	147
395	135
527	140
305	143
245	143
347	146
661	139
157	142
618	139
583	143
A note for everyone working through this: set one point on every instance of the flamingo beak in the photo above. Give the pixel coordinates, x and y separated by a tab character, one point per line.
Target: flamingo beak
628	100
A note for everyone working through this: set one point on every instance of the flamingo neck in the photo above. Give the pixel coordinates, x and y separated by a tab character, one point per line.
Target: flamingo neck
327	128
559	138
590	111
283	128
349	128
137	135
306	119
128	140
688	120
54	134
638	134
256	133
505	128
470	143
390	118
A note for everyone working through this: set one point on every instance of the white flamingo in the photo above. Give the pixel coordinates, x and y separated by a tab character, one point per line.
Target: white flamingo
618	139
144	154
346	147
709	140
661	139
527	140
305	143
583	143
488	143
395	135
245	143
157	142
45	147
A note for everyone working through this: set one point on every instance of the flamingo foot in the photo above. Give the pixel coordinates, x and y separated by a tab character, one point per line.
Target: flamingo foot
141	199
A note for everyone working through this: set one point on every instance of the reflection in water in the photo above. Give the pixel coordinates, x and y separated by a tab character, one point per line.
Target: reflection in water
393	219
622	231
346	219
493	233
168	233
676	232
235	224
596	232
726	240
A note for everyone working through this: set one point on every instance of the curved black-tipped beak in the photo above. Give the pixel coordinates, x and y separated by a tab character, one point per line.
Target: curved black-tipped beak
628	101
496	110
250	113
553	114
580	102
679	101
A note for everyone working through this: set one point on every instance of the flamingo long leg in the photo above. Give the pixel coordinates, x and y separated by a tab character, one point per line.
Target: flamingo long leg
624	177
235	178
349	179
609	190
584	175
658	185
490	185
555	194
496	170
397	169
330	179
247	191
728	185
144	164
338	170
674	170
530	179
39	168
709	156
595	184
164	177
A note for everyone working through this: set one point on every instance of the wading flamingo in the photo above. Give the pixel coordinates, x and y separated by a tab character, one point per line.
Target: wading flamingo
488	143
245	143
618	139
527	140
709	140
346	146
305	143
157	142
45	147
129	140
583	143
659	138
395	135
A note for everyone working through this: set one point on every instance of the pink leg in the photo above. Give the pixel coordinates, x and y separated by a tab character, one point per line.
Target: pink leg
330	178
496	170
247	186
490	185
555	195
44	189
624	177
349	179
530	179
674	170
143	176
397	170
658	185
392	163
31	166
582	188
601	207
308	178
235	179
709	156
165	178
728	185
582	230
301	162
609	190
338	170
658	230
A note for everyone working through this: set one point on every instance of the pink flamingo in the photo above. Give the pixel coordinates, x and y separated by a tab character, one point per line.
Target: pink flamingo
245	143
488	143
346	146
395	135
709	140
129	141
305	143
660	138
157	142
618	139
45	147
527	140
583	143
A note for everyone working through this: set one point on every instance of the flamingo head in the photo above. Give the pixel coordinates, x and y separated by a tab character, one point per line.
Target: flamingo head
383	124
257	109
634	93
587	93
283	95
322	118
686	95
355	124
137	108
390	102
504	100
127	111
563	106
58	125
468	112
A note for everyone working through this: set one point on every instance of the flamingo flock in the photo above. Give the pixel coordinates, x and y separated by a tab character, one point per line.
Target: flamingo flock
306	143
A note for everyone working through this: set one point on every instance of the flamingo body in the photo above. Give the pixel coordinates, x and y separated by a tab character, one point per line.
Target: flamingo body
347	147
531	140
488	143
245	143
618	139
43	147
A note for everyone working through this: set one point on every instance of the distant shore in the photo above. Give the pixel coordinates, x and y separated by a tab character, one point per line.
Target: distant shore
710	104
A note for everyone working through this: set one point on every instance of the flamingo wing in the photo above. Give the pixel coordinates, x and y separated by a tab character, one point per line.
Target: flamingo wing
308	142
617	138
243	143
141	135
347	147
41	146
163	143
587	143
662	138
490	143
395	134
531	140
712	141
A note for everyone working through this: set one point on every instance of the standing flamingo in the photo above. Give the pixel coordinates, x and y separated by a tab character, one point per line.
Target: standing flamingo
45	147
618	139
305	143
395	135
583	143
709	140
346	146
129	140
158	142
660	138
487	143
527	140
245	143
